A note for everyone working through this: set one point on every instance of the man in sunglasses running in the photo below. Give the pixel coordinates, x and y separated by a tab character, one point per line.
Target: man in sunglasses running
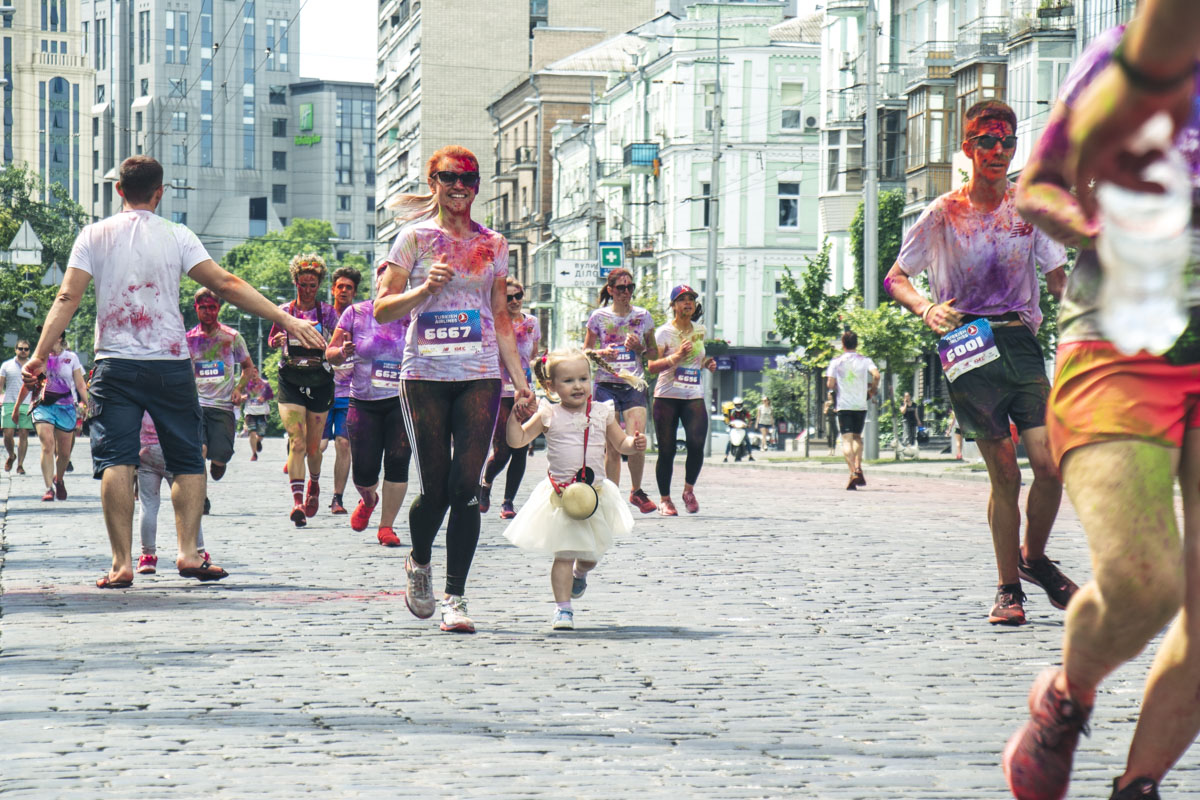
983	262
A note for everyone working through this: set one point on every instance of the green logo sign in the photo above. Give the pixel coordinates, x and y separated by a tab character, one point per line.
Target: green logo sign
611	256
307	141
306	116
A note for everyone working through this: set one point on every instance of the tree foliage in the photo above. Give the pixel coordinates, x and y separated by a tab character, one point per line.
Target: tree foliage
891	236
809	317
788	390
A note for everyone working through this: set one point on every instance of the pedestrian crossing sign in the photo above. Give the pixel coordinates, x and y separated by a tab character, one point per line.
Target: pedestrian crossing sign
611	256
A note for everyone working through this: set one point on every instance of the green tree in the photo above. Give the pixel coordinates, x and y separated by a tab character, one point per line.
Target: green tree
891	236
809	316
788	390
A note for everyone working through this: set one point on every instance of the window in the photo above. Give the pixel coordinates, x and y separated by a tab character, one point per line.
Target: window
85	48
100	93
179	154
344	177
279	127
833	140
278	96
137	121
791	116
710	101
179	121
854	153
371	203
279	193
179	192
343	230
345	171
789	205
706	208
369	177
143	46
278	159
916	129
366	115
179	217
175	43
145	87
96	133
95	187
277	45
178	87
371	232
343	201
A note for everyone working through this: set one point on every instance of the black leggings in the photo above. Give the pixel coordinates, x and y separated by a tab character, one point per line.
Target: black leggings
438	414
668	412
502	453
376	432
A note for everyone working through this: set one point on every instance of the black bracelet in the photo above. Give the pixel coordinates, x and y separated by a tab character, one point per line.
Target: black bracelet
1148	83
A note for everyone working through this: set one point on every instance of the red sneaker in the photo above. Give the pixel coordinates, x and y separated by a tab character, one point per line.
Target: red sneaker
361	517
254	456
48	497
690	502
667	508
507	511
335	506
644	504
311	499
297	516
1037	759
60	489
388	538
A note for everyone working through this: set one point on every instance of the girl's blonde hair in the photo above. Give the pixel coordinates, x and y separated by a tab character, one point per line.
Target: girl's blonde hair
544	367
310	263
412	207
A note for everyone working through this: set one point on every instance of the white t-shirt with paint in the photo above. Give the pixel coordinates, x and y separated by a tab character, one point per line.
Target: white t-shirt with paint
11	370
853	373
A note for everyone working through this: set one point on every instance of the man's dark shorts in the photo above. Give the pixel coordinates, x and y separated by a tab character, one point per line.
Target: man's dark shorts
257	423
1013	386
318	399
219	429
121	390
623	395
852	421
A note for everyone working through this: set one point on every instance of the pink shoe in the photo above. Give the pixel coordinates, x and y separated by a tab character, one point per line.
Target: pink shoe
667	508
147	564
690	503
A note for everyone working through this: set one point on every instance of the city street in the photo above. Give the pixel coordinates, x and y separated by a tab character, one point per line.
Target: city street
792	640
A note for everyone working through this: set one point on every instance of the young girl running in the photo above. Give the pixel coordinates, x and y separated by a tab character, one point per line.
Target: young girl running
151	472
577	429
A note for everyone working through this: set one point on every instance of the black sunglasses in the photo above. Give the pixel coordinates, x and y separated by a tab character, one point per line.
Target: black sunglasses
447	178
623	287
987	141
22	348
517	296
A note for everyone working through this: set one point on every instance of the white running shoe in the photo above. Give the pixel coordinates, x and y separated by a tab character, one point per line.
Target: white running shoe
418	594
564	620
454	615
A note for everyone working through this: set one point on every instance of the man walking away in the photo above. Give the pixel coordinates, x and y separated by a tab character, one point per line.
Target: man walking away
855	378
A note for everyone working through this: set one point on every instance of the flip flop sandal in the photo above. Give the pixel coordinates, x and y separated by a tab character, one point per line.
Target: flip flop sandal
204	572
108	583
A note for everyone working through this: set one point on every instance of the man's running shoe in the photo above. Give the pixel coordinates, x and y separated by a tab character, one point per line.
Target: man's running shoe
8	463
454	615
254	456
361	517
388	538
335	505
48	496
690	502
667	508
259	448
1037	759
297	516
506	510
1045	573
418	593
312	499
70	467
60	489
859	479
852	486
644	504
1140	789
1008	609
20	470
485	498
578	587
147	564
564	620
207	506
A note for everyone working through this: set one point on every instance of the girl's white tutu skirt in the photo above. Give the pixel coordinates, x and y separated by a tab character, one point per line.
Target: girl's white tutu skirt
542	528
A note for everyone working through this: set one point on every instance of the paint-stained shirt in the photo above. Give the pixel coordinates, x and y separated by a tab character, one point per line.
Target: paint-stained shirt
11	370
343	373
378	352
853	373
453	333
528	333
683	381
136	259
986	262
258	396
324	318
611	329
1077	318
60	376
213	360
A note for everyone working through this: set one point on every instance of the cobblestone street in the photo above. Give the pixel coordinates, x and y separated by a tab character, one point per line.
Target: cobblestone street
793	640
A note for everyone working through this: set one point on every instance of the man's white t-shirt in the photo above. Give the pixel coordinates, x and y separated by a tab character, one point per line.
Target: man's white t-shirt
853	373
137	259
11	370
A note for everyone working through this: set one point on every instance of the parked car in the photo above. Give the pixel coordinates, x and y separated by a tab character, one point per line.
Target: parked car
720	436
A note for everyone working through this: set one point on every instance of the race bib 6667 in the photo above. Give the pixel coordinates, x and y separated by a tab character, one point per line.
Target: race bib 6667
449	333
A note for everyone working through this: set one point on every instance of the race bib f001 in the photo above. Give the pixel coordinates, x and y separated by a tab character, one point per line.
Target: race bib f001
967	348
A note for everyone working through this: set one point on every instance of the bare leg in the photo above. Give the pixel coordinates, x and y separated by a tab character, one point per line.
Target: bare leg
848	441
187	496
63	442
1045	495
612	465
635	420
341	464
116	498
393	498
254	440
9	442
22	447
45	432
314	425
292	416
1004	511
560	579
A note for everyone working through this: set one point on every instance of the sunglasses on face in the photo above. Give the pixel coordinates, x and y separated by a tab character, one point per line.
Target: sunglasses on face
445	177
987	141
623	287
22	349
517	296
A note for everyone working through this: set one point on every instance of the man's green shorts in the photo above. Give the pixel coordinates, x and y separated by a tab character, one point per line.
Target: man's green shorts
23	421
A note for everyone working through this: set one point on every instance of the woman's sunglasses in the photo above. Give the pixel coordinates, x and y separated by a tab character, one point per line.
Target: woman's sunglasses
987	141
623	287
517	296
447	178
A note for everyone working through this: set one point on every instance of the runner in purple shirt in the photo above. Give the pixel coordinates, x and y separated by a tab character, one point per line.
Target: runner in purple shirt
344	291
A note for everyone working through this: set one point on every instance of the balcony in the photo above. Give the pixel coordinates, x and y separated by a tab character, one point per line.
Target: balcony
59	60
526	158
1031	17
930	61
846	8
640	157
925	183
982	37
640	245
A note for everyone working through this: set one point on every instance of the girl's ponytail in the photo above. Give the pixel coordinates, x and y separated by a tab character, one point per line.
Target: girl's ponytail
543	378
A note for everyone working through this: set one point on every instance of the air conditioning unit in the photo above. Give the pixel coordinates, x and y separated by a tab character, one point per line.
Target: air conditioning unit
810	123
772	336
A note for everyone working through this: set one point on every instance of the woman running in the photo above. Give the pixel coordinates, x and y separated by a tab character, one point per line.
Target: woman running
525	328
55	416
375	422
623	335
679	397
448	273
305	385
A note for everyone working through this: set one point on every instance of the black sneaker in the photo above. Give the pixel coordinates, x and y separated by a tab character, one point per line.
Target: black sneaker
70	467
485	498
207	506
1140	789
1008	609
1045	573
